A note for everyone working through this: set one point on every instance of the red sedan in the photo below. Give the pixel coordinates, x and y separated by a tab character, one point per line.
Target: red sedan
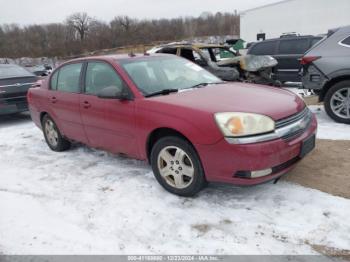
192	127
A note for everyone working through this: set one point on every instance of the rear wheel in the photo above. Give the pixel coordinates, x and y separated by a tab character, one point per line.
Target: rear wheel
52	135
177	167
337	102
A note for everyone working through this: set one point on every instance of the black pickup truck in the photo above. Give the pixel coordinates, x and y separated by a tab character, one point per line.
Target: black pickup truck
14	84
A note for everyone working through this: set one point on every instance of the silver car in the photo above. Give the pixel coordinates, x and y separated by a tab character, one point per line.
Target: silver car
326	70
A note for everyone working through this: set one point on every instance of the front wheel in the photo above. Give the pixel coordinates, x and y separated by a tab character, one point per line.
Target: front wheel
337	102
52	135
177	166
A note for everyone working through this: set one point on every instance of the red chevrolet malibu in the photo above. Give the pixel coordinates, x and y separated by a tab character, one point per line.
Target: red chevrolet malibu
192	127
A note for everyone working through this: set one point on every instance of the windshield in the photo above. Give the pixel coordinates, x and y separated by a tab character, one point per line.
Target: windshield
10	71
155	74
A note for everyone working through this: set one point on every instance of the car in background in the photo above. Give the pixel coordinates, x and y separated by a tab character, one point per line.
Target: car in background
207	56
287	50
223	62
326	70
40	70
191	126
14	84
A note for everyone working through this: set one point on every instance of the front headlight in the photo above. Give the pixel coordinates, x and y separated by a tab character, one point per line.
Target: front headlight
243	124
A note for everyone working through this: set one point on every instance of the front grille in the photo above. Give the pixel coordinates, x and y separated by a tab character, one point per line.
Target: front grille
304	118
292	119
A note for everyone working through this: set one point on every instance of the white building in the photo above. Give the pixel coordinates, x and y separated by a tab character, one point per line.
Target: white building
304	17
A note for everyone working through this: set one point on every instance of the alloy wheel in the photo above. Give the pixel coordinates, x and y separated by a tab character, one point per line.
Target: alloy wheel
51	133
340	103
175	167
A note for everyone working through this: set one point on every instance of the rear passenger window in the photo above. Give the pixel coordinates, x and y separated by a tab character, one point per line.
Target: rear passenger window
346	41
264	48
294	46
69	78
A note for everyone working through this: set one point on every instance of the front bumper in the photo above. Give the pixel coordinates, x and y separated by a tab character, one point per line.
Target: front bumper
223	161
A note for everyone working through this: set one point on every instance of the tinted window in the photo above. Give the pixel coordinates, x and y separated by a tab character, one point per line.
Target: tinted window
54	79
315	41
294	46
264	48
68	78
346	41
100	75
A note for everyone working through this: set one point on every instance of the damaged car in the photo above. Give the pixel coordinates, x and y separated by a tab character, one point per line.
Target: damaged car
221	61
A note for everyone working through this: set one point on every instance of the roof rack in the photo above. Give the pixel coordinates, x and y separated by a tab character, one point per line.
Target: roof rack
289	34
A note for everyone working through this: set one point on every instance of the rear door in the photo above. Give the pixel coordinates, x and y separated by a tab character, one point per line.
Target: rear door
108	123
63	96
288	54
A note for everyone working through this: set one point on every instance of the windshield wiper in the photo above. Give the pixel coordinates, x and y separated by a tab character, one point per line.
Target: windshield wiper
205	84
163	92
200	85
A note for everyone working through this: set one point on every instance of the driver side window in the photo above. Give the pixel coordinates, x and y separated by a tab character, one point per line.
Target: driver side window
100	75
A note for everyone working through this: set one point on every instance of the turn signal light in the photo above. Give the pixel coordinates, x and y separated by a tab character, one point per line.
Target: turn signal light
308	59
235	125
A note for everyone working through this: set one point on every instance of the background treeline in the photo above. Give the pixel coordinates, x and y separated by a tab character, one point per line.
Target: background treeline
81	33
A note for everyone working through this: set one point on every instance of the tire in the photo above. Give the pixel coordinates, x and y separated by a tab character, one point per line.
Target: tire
177	167
316	92
333	99
52	135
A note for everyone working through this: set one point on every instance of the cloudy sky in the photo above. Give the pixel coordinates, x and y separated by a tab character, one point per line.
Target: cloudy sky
25	12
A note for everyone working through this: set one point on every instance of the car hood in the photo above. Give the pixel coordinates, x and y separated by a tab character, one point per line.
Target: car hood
232	97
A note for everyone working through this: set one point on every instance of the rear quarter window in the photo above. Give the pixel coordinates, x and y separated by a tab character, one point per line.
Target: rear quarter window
264	48
346	42
53	82
293	46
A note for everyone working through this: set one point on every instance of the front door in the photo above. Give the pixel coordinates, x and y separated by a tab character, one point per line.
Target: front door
108	123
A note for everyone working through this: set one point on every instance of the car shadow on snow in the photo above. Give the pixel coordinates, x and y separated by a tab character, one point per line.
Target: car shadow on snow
13	119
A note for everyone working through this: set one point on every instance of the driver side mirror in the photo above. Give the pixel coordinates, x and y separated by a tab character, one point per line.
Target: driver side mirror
112	92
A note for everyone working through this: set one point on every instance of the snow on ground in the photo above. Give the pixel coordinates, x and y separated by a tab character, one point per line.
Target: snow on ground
328	129
86	201
300	92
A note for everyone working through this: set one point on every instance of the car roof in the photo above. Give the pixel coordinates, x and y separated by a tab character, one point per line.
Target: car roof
195	45
287	38
117	57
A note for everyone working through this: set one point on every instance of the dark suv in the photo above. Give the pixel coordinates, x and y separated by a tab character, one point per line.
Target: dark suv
287	50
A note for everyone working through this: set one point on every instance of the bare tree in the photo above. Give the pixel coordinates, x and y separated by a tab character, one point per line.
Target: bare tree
80	33
81	23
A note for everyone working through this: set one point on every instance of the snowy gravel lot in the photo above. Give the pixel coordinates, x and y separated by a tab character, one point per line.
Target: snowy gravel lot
87	201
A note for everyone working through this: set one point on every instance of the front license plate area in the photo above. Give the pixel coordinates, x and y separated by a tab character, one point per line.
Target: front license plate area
307	146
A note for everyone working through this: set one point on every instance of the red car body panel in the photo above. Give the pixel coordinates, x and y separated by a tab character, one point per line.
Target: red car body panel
125	126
